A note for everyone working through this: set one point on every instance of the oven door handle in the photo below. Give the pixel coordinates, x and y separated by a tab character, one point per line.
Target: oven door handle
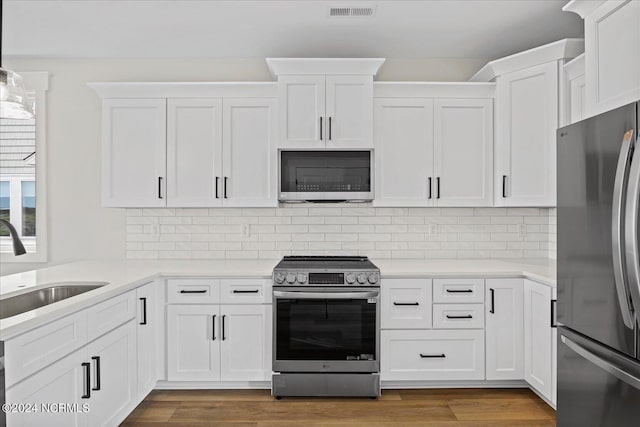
325	295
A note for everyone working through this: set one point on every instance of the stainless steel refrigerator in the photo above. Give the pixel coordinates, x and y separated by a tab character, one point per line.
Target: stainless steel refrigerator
598	270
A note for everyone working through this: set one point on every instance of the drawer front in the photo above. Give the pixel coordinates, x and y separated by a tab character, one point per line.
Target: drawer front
458	290
245	291
193	291
432	355
110	314
458	316
406	304
32	351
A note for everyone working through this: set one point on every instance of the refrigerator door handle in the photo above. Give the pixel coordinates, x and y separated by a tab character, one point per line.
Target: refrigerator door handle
632	380
631	228
616	231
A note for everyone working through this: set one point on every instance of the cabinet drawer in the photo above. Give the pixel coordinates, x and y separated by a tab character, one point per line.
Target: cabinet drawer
32	351
406	304
194	291
458	316
458	290
432	355
245	291
110	314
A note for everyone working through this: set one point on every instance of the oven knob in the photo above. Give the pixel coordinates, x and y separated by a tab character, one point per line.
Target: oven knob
362	278
351	278
302	278
373	278
279	278
291	278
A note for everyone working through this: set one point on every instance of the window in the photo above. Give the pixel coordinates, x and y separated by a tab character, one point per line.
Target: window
22	184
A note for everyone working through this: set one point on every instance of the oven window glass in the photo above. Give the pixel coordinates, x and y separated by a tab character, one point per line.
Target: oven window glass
325	171
325	329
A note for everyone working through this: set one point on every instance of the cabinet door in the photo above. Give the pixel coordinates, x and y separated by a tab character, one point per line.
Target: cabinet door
133	152
537	337
61	382
148	322
504	329
349	111
404	152
193	343
245	349
113	375
526	123
577	99
612	55
194	152
463	152
302	119
406	304
249	150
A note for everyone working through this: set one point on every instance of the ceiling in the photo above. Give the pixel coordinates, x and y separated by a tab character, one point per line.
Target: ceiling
285	28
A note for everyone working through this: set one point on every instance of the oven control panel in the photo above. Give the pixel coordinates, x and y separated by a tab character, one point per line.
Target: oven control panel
360	278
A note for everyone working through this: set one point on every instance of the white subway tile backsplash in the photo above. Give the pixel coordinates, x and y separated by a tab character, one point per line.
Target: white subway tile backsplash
217	233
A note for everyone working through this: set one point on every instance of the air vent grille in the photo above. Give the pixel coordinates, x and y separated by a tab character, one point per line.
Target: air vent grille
354	12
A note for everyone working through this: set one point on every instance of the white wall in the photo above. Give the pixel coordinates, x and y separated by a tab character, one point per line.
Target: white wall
79	228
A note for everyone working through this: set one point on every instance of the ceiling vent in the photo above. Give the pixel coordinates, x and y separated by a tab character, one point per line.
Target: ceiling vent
351	12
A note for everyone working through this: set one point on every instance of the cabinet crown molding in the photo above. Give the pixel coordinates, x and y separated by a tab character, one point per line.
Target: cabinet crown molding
121	90
582	7
324	66
561	49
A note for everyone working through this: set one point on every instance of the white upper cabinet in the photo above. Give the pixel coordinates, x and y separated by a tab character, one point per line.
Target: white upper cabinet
194	152
573	97
404	152
349	111
526	124
303	108
133	152
249	152
463	152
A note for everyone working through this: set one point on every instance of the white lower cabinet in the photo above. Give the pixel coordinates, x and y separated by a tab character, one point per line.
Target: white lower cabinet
504	329
538	338
406	304
432	355
148	325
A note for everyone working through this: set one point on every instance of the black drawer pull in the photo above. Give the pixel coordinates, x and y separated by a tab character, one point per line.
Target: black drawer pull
432	356
224	337
459	291
554	324
468	316
406	303
87	380
493	301
213	327
97	360
242	291
144	311
202	291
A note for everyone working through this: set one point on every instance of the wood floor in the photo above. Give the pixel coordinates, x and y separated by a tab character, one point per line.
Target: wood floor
256	408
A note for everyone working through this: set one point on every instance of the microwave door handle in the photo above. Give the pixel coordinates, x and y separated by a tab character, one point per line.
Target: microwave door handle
325	295
616	230
632	212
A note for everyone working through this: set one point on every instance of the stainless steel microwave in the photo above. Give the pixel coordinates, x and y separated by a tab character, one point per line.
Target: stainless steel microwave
325	175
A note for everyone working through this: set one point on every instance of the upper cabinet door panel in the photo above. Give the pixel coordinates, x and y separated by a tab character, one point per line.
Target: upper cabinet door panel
404	152
249	147
194	152
302	122
527	120
612	59
349	111
133	152
463	148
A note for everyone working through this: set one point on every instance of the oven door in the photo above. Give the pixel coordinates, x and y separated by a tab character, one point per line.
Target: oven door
326	330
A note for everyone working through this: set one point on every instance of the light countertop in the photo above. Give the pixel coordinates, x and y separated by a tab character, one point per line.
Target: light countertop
125	275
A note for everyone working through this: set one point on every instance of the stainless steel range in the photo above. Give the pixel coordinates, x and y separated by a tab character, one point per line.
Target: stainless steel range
326	327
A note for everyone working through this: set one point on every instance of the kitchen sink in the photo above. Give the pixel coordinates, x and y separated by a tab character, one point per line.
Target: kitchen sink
44	296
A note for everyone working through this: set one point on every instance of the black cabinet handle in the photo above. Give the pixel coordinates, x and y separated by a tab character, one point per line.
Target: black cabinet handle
406	303
554	324
201	291
320	128
430	192
244	291
493	301
224	337
87	380
224	190
467	316
217	182
213	327
144	311
432	356
159	187
329	128
97	360
459	291
437	187
504	186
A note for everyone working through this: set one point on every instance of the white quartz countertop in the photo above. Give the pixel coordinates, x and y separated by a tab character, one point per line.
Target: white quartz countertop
125	275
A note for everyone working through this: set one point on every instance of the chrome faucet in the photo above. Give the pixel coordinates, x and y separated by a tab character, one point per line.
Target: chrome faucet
18	247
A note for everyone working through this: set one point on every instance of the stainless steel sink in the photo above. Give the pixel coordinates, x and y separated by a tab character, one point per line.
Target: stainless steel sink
44	296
